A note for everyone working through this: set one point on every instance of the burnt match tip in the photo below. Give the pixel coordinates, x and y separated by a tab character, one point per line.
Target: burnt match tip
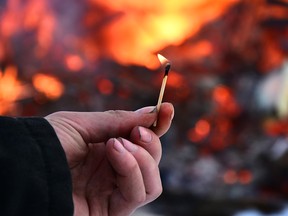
167	68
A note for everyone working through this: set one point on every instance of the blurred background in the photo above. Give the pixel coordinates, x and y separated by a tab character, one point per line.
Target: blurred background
227	150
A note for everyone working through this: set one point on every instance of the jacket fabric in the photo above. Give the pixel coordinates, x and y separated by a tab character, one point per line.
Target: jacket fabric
34	173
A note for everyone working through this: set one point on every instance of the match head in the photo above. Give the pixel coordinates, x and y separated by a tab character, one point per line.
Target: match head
165	62
167	68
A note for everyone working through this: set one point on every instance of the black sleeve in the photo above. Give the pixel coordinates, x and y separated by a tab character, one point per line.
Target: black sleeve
34	174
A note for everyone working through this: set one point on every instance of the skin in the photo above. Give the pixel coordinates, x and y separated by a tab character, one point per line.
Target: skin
113	157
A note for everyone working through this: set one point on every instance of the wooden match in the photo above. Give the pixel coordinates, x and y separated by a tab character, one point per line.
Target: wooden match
167	64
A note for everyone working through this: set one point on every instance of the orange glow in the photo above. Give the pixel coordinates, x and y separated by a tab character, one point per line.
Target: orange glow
133	37
221	94
45	33
230	177
200	131
202	127
143	29
11	90
175	80
74	63
49	85
193	136
274	127
223	126
203	48
2	51
245	176
105	86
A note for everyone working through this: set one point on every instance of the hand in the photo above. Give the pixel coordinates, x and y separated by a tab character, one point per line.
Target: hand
113	157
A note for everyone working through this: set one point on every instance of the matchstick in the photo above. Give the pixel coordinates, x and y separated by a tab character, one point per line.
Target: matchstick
163	85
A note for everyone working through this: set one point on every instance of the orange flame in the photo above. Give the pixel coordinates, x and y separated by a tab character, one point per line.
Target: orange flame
200	131
11	90
143	29
49	85
74	63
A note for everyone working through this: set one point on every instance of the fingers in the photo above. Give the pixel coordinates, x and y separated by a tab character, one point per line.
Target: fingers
130	192
164	120
149	169
147	139
138	177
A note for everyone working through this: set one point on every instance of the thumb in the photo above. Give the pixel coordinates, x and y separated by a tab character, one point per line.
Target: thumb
97	127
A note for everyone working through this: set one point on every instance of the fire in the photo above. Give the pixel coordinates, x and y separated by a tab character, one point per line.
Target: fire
140	30
49	85
200	131
74	63
162	59
11	90
132	36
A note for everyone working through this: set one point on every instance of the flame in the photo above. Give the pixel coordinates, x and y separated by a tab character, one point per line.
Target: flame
142	29
132	35
74	63
162	59
200	131
11	90
49	85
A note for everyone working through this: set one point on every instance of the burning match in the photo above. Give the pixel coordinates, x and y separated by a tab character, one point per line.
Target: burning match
167	64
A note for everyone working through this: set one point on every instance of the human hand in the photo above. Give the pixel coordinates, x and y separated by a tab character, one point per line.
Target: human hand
112	176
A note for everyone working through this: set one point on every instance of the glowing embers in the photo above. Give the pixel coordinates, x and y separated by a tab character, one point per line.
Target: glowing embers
105	86
200	131
225	101
232	176
49	85
74	63
11	90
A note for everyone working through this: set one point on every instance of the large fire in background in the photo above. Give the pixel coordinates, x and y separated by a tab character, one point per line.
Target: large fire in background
228	79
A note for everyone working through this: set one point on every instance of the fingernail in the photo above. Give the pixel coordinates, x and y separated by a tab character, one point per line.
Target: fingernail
118	146
172	116
145	135
149	109
129	146
154	110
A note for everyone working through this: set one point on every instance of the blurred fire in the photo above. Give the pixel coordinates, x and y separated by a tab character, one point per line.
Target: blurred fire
200	131
74	63
11	90
49	85
225	100
143	29
126	31
243	176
